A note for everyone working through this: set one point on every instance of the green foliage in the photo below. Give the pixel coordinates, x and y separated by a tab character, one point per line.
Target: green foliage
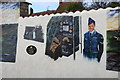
80	6
73	7
112	43
113	4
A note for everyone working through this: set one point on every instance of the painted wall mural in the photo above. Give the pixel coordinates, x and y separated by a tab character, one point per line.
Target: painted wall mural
113	40
93	42
61	36
41	45
34	33
9	42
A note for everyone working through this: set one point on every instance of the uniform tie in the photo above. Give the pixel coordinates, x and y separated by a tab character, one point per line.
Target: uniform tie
90	34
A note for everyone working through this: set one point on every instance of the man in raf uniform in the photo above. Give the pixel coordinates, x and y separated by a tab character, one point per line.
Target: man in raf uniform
93	42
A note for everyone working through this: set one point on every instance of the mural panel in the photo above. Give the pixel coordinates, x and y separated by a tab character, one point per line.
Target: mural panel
34	33
113	40
9	42
61	36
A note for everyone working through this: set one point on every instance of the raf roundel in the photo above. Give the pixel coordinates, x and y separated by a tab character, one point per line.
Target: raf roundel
31	50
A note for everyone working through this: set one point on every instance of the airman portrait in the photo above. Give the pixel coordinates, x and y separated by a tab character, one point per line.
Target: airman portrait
93	42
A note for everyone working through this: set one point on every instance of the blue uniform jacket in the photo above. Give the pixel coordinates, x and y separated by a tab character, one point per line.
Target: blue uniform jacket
93	45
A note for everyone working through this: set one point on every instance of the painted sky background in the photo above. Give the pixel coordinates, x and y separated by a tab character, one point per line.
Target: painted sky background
43	5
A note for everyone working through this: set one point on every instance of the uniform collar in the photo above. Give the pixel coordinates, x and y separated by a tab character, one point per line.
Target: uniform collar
93	32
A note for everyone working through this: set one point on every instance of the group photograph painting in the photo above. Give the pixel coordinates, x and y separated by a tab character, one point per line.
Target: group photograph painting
113	40
34	33
62	36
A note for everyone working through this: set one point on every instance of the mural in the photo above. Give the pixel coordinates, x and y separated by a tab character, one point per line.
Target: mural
113	40
34	33
61	36
93	42
9	42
